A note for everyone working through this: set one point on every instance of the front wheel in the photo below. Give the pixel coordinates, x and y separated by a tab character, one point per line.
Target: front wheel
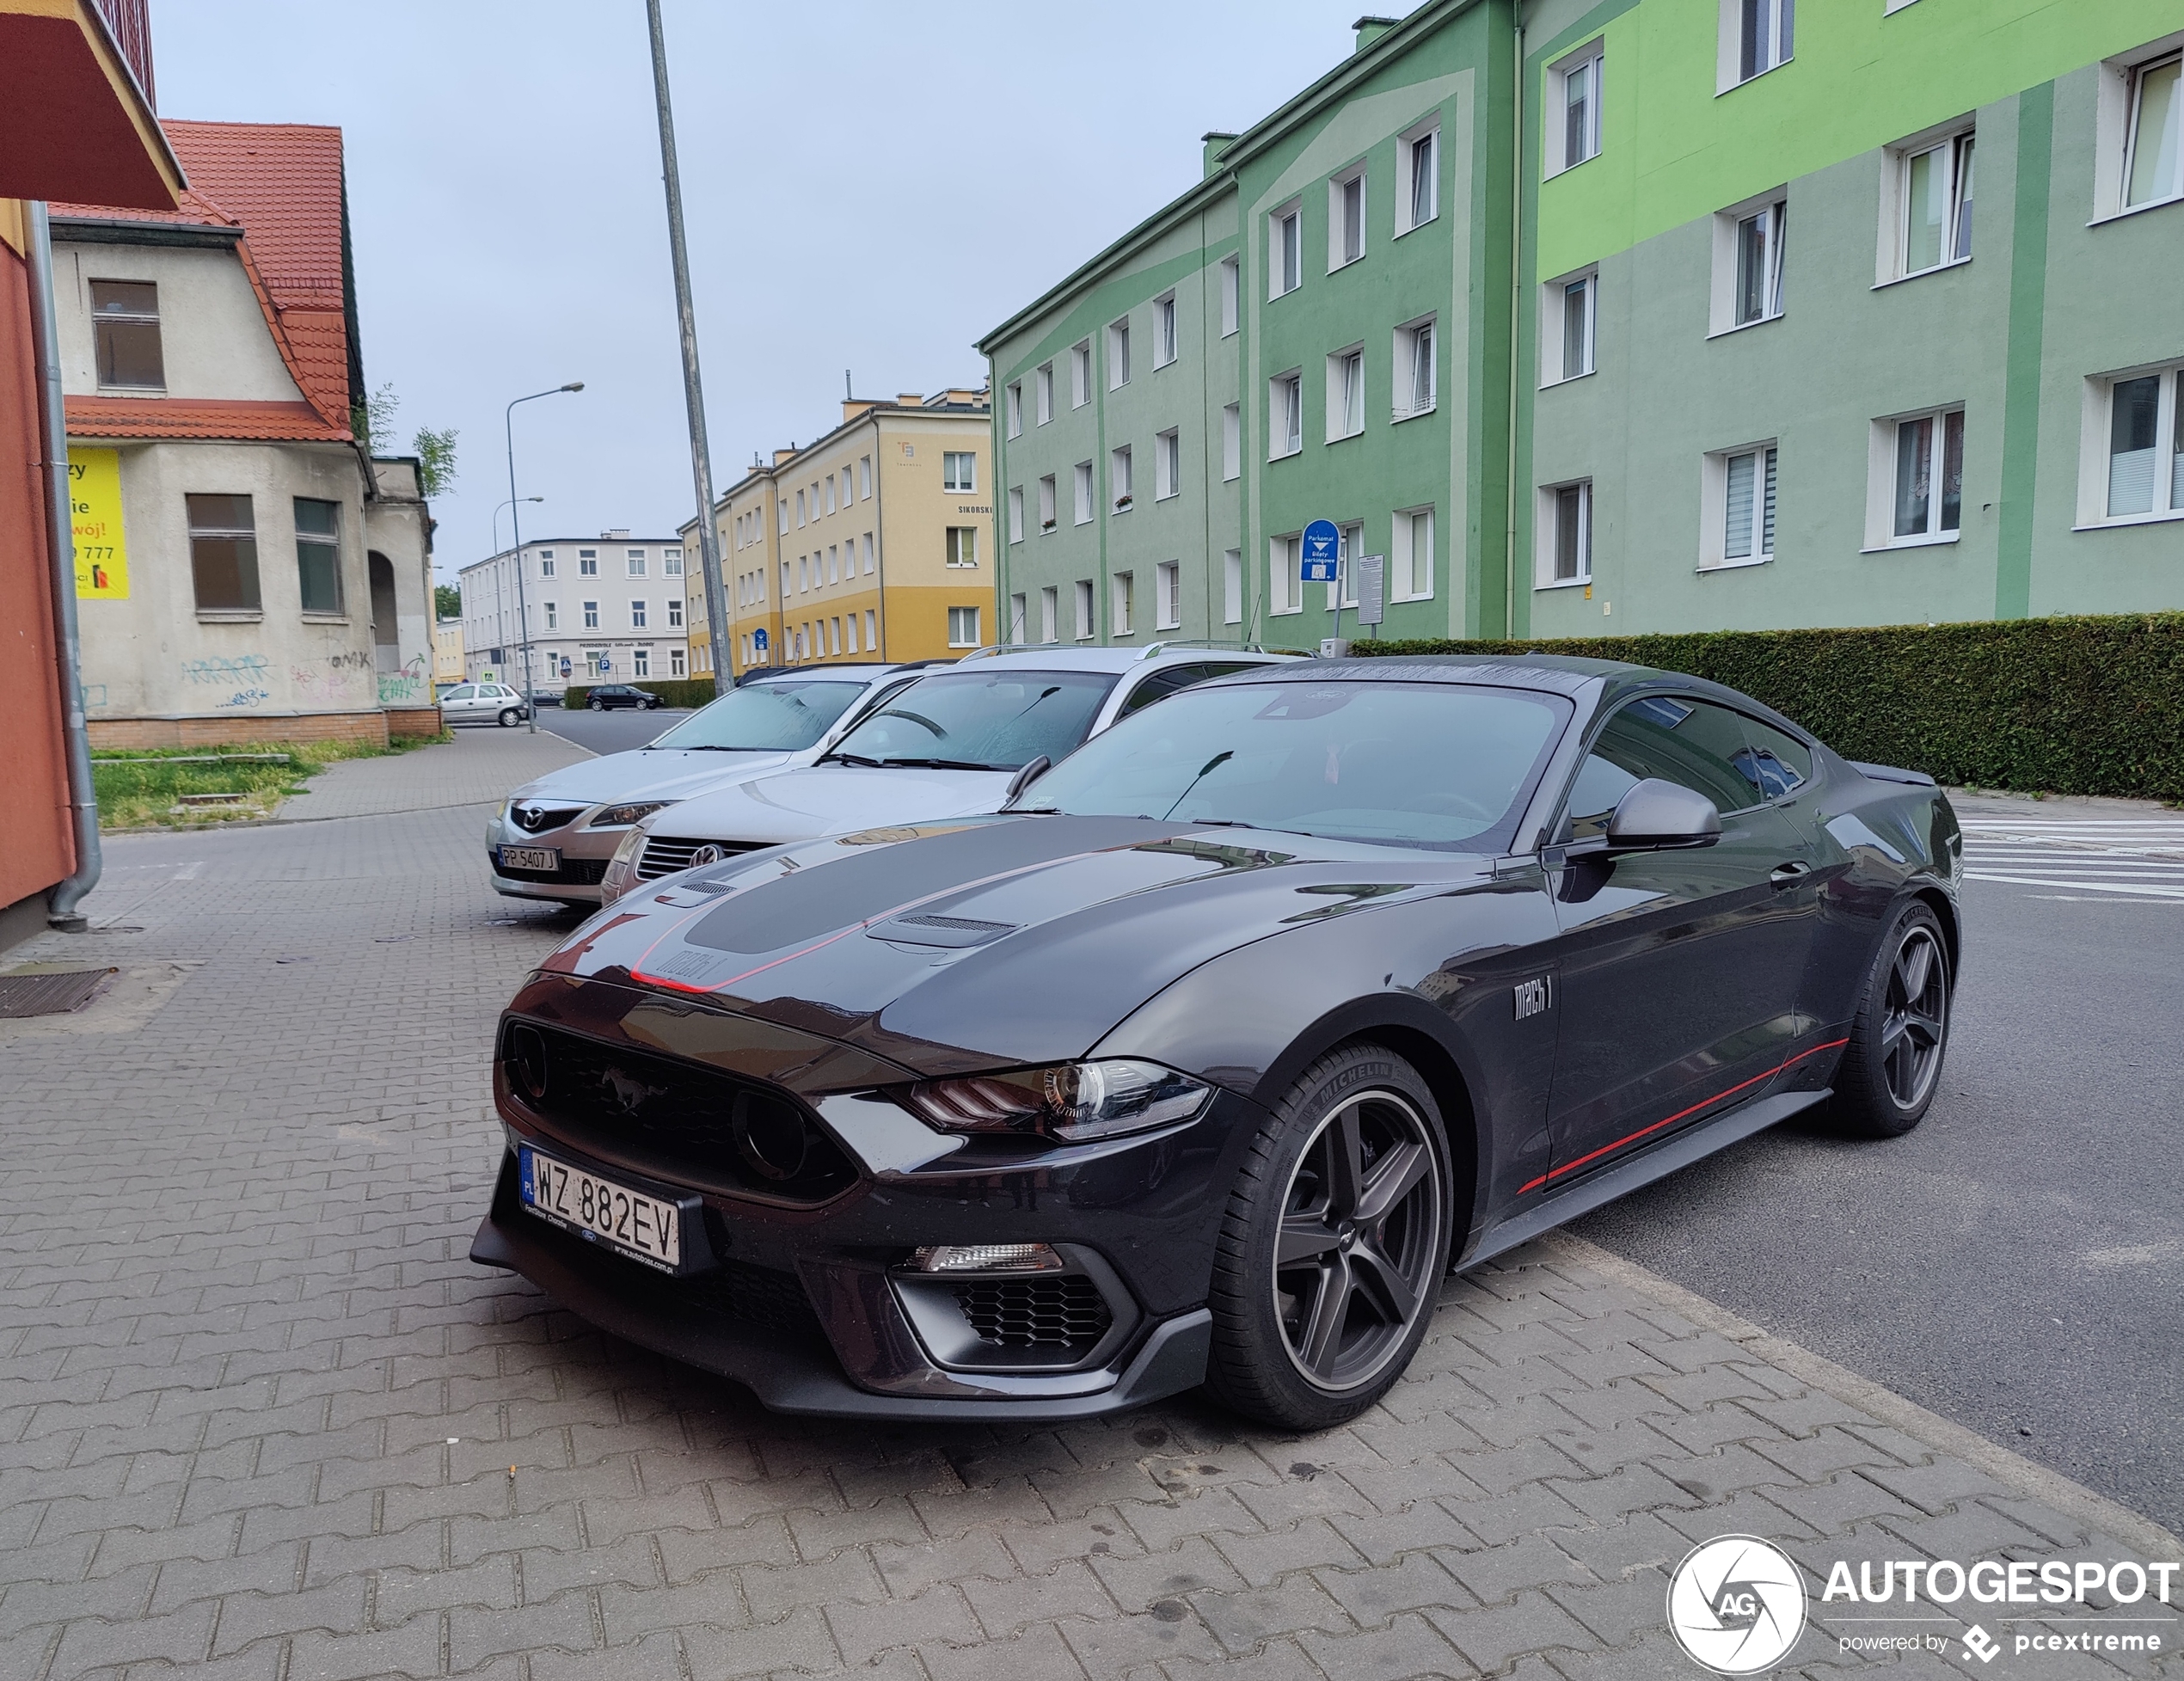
598	706
1892	1066
1332	1249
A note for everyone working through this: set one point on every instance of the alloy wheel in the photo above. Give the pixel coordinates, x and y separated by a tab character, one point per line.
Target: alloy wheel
1361	1241
1914	1018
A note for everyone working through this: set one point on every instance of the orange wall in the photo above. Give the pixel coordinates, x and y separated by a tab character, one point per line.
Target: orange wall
36	850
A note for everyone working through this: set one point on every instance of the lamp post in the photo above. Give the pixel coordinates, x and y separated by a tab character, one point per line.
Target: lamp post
499	580
516	543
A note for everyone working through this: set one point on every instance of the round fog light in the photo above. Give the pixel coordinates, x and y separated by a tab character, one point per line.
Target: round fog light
527	1060
771	1137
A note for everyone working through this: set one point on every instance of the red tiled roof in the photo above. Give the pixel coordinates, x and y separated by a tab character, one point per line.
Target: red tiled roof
183	417
280	183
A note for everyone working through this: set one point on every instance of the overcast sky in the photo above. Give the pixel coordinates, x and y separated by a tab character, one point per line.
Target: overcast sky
868	186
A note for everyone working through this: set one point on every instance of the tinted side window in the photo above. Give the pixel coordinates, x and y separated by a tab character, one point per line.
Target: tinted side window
1161	683
1692	742
1780	764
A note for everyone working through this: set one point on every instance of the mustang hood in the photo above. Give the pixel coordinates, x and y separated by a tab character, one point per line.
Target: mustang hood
664	773
950	948
816	800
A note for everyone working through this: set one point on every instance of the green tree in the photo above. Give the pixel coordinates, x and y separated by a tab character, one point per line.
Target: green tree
373	420
447	601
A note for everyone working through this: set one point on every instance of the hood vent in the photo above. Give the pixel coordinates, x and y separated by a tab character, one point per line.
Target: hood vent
919	929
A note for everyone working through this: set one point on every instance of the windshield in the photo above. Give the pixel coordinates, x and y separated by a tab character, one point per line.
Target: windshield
770	717
980	721
1406	763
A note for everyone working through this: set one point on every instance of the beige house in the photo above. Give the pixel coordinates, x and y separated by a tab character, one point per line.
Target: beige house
447	651
875	543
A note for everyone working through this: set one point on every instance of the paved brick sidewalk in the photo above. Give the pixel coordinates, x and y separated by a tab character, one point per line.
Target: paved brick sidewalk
261	1419
478	767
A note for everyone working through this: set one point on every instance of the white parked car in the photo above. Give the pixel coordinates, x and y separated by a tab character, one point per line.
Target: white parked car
483	703
950	744
553	837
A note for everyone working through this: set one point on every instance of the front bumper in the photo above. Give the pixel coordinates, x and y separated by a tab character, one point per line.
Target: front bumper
585	854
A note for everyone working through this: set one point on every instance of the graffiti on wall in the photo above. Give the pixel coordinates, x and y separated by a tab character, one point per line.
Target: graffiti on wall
248	669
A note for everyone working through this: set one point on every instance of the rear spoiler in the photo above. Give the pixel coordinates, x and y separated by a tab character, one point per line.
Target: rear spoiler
1890	773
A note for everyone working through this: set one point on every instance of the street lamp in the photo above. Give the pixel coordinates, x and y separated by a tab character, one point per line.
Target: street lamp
499	578
516	541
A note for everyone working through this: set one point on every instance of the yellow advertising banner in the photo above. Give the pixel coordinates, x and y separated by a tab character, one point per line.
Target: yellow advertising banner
95	507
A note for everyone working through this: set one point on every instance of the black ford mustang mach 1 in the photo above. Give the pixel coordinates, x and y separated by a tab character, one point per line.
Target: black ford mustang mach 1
1206	1059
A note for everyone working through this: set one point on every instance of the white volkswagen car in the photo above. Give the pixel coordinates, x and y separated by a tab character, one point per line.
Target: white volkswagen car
553	837
950	744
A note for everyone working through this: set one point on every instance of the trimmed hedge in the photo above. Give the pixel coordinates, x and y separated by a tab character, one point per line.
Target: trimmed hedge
2055	705
672	690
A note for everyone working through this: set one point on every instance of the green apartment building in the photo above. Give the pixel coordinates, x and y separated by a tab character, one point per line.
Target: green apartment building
1737	317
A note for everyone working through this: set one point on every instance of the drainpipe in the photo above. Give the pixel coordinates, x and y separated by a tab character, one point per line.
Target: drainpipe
1515	320
60	543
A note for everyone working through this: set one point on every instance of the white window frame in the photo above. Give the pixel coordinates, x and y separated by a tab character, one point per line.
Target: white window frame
1049	508
963	627
1121	487
553	615
1881	498
1087	628
1117	353
1955	143
1725	294
957	540
1231	296
1407	365
1285	589
676	663
868	554
1284	250
591	615
671	563
1425	137
1167	596
546	563
1340	252
641	662
1019	620
1349	544
674	612
1776	22
2120	109
1050	613
1080	373
958	461
1087	504
1232	587
1346	394
1042	394
1717	541
1558	154
1555	367
1405	572
1285	415
1122	589
864	478
1231	443
2096	484
1547	528
1165	336
1015	514
1167	463
1015	409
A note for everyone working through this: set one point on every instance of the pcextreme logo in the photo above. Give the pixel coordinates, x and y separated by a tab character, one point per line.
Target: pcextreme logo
1737	1604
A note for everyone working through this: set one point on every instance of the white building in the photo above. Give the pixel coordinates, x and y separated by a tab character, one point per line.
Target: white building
609	609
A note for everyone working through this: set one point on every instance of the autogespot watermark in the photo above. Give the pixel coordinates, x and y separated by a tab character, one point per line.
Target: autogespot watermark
1737	1605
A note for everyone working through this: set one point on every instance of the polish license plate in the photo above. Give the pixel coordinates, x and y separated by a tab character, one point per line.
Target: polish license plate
642	1227
530	858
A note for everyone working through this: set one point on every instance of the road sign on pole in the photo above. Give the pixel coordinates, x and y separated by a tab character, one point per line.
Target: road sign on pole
1372	588
1321	553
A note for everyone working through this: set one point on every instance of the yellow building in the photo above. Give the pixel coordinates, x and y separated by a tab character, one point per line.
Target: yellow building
447	651
875	543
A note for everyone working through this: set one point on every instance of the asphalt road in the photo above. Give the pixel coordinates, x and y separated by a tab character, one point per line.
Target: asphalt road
2017	1263
608	732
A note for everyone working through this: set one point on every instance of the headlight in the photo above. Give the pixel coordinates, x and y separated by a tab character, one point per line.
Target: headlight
617	816
621	870
1074	1102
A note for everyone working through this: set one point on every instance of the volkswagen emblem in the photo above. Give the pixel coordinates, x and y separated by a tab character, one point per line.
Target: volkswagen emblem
707	854
1736	1604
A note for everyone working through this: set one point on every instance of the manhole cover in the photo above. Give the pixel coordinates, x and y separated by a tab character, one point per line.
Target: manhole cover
47	995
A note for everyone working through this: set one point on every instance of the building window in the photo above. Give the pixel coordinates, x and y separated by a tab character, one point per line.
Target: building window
868	554
588	562
636	616
598	662
1573	135
1345	394
1565	533
1015	514
1121	588
1231	294
1418	155
864	478
1084	626
1232	587
1345	209
1080	373
963	545
545	564
1046	503
1285	413
959	471
1567	348
833	627
1285	559
2153	164
224	554
641	662
1167	596
871	631
1231	443
1019	613
1758	35
318	555
1016	408
1285	250
1349	545
1043	393
1050	613
1417	390
591	615
1740	486
553	615
1168	464
1084	493
675	662
636	559
1748	245
784	506
124	329
2145	455
1927	480
1410	562
675	612
1164	330
799	510
1117	353
1936	227
1118	476
670	562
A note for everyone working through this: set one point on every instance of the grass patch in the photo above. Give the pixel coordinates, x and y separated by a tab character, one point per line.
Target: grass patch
146	795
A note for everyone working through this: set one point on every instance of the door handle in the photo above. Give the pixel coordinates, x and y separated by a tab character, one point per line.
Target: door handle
1784	875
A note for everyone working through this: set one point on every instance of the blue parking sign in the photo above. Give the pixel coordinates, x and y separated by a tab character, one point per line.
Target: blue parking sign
1321	553
758	639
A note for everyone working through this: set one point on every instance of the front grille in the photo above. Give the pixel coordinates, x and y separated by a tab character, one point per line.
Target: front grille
572	872
1035	1313
536	820
663	855
688	1124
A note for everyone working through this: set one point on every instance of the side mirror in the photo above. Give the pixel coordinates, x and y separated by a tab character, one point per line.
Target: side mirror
1032	772
1654	815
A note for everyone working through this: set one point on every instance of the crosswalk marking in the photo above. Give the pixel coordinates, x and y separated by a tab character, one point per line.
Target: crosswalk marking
2101	860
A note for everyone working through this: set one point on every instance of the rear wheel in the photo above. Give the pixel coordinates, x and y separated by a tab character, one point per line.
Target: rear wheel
598	705
1892	1066
1332	1249
510	717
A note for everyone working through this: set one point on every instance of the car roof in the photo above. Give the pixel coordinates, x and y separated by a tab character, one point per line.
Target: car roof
1151	658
